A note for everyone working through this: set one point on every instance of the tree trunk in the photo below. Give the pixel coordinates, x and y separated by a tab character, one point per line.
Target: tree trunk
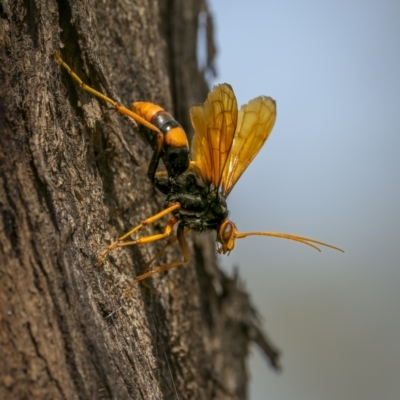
72	179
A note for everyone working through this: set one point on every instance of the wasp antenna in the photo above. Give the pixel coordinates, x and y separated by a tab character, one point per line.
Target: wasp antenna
301	239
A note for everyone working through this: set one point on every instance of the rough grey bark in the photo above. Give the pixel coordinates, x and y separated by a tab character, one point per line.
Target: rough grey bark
72	179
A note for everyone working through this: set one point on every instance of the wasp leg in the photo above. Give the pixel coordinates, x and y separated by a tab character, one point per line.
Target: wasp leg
155	159
181	239
119	242
117	106
161	251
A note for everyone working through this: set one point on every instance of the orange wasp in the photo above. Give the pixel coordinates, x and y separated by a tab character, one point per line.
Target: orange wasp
226	141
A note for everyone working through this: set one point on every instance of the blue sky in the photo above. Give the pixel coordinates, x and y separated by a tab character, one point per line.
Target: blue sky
331	171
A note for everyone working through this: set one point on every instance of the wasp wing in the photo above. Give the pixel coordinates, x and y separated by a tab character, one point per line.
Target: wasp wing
255	122
200	149
214	124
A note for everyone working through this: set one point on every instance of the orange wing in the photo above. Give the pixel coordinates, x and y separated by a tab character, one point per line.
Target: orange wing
255	122
214	123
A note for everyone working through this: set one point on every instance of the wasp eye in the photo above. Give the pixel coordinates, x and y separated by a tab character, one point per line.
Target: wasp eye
227	232
226	236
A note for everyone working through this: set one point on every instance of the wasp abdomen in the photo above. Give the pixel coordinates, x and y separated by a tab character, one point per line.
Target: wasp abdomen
175	149
174	135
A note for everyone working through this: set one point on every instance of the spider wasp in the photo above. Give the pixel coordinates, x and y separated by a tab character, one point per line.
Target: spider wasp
226	140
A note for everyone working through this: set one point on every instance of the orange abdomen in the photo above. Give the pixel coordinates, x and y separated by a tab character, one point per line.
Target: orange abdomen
174	135
146	110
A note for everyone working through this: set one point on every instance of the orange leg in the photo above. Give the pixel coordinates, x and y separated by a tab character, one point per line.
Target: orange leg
161	251
181	239
120	241
117	106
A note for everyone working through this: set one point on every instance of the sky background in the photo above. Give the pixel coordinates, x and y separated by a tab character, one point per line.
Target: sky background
331	171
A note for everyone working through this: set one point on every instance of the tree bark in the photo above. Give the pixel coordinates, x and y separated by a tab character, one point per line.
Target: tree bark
72	179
